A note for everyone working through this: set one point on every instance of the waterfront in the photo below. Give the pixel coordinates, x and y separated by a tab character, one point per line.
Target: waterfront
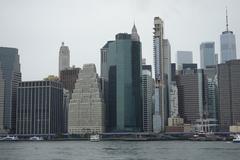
119	150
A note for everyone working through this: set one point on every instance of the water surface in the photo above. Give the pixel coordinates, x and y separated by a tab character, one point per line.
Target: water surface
119	150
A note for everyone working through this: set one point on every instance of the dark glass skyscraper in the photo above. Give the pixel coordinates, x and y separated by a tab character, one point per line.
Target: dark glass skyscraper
121	74
11	76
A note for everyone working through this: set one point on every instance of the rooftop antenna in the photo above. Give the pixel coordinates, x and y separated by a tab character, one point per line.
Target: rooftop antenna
227	18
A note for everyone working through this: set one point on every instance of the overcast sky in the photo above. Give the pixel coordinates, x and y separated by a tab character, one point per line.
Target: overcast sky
37	28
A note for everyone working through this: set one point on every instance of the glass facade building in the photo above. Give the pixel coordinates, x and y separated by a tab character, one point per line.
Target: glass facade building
207	54
121	76
11	76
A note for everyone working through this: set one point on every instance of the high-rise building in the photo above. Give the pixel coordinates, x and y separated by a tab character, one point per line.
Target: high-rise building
212	91
86	109
162	66
173	71
68	77
1	101
184	57
191	95
229	94
216	59
10	77
40	108
173	98
207	54
64	58
121	72
147	92
228	44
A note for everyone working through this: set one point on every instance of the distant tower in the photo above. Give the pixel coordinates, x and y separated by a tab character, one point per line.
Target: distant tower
64	58
228	44
207	54
134	35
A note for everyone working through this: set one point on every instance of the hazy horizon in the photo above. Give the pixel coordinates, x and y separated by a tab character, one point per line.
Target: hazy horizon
37	28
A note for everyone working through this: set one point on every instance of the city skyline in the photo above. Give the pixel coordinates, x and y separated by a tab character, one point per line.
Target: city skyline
42	31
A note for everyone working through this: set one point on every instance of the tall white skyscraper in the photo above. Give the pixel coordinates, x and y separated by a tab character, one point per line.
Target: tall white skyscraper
184	57
207	54
228	44
64	57
159	79
162	66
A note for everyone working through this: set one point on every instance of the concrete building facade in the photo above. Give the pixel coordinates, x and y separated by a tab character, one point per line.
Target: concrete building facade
86	108
229	94
192	100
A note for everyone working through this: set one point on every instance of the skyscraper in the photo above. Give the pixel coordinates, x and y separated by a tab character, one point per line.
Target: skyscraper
184	57
40	108
147	91
10	77
1	101
64	58
229	94
207	54
162	66
228	44
191	95
68	78
121	72
86	109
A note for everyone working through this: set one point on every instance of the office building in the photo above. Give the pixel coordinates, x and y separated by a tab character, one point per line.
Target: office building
229	94
173	97
207	54
10	77
184	57
86	108
228	44
216	59
68	77
191	95
1	101
162	67
147	91
173	72
212	92
64	58
40	108
121	71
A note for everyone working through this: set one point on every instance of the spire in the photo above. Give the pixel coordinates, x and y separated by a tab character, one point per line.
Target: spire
135	36
62	43
226	19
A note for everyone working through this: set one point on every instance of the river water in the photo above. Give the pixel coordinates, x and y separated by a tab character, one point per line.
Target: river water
119	150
